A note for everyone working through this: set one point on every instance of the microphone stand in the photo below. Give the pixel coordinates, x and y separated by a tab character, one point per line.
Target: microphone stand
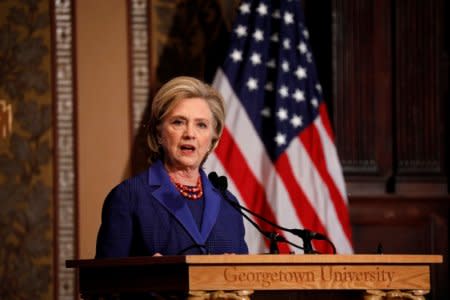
273	237
221	184
306	235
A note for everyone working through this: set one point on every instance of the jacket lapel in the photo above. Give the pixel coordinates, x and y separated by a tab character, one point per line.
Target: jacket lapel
213	200
173	201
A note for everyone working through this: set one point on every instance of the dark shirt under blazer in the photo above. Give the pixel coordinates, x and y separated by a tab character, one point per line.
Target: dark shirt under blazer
146	214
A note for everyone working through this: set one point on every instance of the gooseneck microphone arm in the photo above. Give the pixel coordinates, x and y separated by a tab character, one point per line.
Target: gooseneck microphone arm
221	184
272	236
306	235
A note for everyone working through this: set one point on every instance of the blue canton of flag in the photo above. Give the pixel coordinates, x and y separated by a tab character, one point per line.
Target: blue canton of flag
276	83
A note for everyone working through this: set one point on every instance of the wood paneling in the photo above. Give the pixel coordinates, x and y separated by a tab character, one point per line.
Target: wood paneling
407	225
389	67
418	103
362	89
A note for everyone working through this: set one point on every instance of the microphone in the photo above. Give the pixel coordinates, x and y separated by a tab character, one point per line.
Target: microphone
221	183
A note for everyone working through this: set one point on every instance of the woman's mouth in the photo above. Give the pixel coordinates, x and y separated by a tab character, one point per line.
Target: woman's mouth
187	148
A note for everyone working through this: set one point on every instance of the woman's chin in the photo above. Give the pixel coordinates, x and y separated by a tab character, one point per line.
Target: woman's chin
188	163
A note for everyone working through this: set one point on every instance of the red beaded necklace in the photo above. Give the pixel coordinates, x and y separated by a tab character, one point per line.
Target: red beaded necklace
188	191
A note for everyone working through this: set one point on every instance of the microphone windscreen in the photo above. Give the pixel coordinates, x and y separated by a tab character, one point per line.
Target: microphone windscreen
223	183
213	177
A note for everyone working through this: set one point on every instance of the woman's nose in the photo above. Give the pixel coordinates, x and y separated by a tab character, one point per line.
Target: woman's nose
190	131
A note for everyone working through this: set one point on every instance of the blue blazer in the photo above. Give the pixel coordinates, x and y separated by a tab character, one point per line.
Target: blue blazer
146	214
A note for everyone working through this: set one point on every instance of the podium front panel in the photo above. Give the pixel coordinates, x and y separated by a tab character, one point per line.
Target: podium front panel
317	277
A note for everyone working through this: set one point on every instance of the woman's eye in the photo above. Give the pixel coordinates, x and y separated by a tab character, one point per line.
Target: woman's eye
202	125
177	122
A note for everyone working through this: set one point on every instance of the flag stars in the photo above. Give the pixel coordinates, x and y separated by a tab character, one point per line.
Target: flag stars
282	114
283	91
258	35
296	121
302	48
288	18
319	88
241	30
305	33
280	139
245	8
298	95
236	55
300	73
252	84
285	66
255	58
287	44
262	9
315	102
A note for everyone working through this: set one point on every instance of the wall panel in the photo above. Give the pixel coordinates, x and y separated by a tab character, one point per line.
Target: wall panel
362	92
419	126
404	225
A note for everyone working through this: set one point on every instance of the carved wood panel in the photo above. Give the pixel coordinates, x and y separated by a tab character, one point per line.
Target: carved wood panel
418	107
362	87
389	67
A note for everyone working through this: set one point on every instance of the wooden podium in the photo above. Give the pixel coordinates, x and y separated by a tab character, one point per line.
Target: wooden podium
237	276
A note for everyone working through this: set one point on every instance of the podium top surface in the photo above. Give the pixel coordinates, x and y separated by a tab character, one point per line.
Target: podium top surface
260	259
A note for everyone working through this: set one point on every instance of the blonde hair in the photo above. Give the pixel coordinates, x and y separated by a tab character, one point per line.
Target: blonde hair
178	88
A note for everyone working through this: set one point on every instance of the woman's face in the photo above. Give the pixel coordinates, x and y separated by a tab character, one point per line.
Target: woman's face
186	133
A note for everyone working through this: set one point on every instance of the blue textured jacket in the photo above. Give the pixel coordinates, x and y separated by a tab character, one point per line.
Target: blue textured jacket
146	214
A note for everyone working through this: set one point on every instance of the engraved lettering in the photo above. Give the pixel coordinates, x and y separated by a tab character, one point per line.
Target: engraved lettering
324	273
304	276
229	275
328	273
390	275
242	277
266	279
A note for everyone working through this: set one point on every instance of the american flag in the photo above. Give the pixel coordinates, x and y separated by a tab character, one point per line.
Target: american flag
277	149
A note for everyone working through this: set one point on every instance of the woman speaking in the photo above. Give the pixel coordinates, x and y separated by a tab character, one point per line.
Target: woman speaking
172	208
